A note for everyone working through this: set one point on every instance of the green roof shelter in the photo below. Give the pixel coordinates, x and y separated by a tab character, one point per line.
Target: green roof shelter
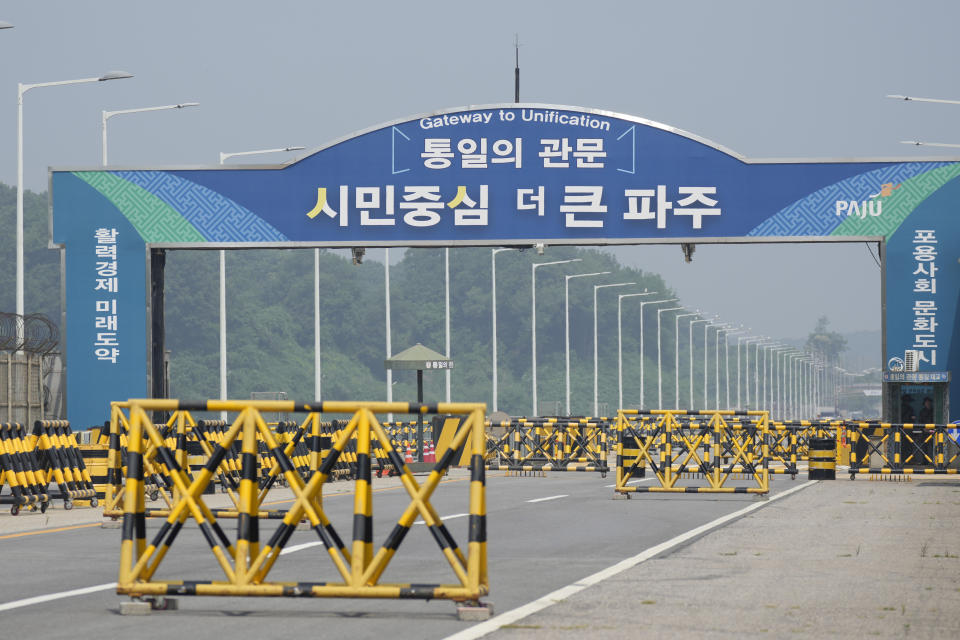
418	358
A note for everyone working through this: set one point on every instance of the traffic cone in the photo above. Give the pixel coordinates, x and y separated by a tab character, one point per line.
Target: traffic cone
409	456
429	455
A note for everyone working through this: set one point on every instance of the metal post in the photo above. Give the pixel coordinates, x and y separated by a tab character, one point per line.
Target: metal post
446	279
596	359
566	326
533	323
659	359
317	372
386	287
676	356
223	328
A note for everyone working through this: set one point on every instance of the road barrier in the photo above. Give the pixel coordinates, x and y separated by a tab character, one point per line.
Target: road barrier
59	459
244	561
823	459
676	449
530	445
889	448
42	465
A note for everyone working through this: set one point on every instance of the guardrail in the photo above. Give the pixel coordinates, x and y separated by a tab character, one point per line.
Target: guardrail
245	563
711	449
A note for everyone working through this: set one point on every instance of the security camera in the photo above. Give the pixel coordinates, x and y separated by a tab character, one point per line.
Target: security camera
539	247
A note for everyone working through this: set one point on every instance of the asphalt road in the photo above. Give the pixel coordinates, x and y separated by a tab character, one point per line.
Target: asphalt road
543	534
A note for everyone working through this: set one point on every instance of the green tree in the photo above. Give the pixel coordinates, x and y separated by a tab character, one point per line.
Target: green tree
829	344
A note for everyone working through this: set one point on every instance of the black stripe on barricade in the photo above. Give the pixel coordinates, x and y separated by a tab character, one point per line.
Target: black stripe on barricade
330	461
280	537
134	465
192	405
169	459
281	459
248	467
363	467
396	461
396	537
477	469
246	529
362	528
334	538
443	539
478	528
185	588
302	589
419	592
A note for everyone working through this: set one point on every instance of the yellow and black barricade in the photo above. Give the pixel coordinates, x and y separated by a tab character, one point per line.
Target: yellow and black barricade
880	448
677	450
244	561
536	445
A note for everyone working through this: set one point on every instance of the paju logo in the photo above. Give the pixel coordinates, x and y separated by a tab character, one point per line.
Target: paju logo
872	206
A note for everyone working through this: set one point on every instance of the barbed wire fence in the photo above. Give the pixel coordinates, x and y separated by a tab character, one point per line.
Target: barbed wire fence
31	369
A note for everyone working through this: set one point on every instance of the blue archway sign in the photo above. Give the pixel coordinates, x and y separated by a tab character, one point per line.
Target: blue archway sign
494	175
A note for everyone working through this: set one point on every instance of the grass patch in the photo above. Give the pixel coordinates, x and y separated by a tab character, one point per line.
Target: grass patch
648	602
728	553
521	626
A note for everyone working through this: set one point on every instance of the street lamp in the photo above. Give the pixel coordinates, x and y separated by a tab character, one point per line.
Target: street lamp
620	341
726	358
643	397
690	351
223	277
106	115
596	390
533	321
22	88
566	322
917	143
706	357
493	292
721	326
746	368
233	154
659	360
676	355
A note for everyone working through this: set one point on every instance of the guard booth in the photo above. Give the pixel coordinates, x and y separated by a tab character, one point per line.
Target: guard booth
916	397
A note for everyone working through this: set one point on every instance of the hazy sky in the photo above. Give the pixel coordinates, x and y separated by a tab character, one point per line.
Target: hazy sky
802	79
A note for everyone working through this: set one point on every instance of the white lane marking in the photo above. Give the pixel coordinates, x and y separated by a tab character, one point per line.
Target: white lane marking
301	547
634	481
445	518
509	617
26	602
564	495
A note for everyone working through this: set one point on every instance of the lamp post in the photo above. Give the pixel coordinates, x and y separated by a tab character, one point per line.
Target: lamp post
739	342
106	115
726	359
706	359
777	388
690	352
223	273
596	360
746	368
659	359
446	322
533	321
620	341
22	88
917	143
676	355
493	292
566	324
643	395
